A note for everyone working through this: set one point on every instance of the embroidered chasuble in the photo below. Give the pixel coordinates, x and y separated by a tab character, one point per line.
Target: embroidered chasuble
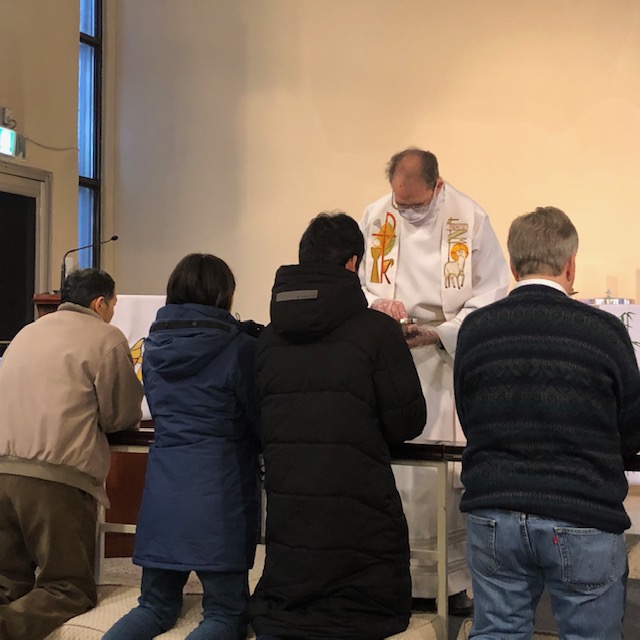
389	256
442	268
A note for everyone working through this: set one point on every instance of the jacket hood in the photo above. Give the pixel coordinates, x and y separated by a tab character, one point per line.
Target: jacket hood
310	301
185	338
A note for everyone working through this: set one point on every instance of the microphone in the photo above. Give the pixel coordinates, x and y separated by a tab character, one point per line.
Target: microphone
63	266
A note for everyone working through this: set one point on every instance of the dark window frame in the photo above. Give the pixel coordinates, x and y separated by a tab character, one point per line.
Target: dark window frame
95	183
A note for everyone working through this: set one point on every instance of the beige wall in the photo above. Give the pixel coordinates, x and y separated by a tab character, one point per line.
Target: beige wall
39	83
232	122
235	121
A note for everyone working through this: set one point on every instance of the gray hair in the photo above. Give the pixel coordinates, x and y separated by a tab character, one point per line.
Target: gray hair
542	242
428	161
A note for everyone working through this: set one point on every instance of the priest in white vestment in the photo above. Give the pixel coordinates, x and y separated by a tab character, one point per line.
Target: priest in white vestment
431	257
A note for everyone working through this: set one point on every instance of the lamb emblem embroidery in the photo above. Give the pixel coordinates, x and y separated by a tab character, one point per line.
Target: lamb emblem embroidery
458	253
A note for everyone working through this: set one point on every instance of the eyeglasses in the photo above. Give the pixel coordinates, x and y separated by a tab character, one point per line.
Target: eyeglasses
421	207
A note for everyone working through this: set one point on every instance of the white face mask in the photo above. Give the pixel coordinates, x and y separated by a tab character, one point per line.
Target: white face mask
416	215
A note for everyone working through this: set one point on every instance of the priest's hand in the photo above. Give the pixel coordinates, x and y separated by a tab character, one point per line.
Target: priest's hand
418	336
393	308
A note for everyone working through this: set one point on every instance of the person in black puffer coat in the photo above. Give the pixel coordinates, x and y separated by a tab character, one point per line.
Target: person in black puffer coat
337	385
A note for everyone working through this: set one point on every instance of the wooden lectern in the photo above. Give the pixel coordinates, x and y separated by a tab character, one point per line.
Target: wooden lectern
46	303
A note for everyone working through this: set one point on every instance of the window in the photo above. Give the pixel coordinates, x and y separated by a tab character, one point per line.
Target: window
89	130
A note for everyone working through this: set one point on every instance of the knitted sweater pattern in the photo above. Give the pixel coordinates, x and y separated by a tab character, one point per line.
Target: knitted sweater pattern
548	394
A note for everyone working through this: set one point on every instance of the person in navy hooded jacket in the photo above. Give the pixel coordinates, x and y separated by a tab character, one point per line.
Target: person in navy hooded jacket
200	506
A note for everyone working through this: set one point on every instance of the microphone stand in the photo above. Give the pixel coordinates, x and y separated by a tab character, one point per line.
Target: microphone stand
63	266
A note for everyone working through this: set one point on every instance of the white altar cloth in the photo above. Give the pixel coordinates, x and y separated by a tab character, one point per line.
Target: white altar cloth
134	316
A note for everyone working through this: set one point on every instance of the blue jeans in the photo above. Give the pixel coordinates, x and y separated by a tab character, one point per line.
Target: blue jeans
513	557
224	603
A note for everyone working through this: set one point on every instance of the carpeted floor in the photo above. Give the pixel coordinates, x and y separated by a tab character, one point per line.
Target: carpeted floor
121	571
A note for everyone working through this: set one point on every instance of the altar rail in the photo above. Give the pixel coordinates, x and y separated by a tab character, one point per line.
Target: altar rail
406	452
433	454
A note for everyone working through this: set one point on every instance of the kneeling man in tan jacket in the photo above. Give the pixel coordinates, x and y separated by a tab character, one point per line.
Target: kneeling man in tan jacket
66	380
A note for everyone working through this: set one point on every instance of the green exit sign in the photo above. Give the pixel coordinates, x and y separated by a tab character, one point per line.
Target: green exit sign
11	144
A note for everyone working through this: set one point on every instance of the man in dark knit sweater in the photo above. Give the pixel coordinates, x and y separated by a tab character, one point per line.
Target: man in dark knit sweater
548	394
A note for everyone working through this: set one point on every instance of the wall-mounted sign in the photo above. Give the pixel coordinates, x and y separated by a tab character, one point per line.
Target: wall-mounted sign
11	143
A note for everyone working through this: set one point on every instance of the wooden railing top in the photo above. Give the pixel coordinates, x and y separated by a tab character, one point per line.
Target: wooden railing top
407	452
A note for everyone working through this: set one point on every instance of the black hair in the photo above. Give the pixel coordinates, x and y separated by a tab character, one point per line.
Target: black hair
331	238
201	278
83	286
